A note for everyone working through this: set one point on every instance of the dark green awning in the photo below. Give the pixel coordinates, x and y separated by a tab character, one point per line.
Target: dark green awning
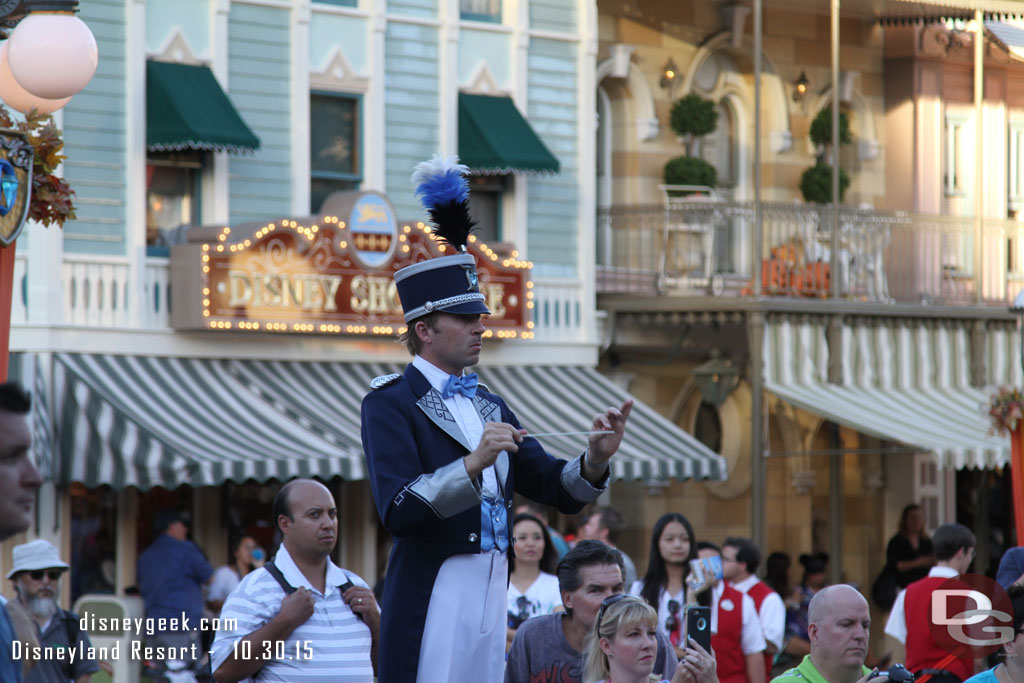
187	109
495	138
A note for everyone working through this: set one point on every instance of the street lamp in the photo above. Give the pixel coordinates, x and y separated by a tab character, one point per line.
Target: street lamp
716	378
49	55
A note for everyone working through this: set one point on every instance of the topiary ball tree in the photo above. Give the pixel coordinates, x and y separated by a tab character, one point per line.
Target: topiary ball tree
693	116
816	184
690	171
821	128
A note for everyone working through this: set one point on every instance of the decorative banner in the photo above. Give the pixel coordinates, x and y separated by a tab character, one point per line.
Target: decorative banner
331	276
16	158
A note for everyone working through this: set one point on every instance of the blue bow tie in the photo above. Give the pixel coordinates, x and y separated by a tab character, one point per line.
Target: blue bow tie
465	385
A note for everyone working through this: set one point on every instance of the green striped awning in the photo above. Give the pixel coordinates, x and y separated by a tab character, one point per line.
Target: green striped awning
544	398
143	421
904	383
27	369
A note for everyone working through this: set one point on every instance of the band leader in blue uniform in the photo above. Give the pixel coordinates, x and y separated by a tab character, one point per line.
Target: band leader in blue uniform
445	456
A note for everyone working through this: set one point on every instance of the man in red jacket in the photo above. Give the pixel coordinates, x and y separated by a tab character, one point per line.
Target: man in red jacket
740	559
954	551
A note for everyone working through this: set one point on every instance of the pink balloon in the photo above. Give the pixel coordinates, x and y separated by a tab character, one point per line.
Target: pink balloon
19	99
52	55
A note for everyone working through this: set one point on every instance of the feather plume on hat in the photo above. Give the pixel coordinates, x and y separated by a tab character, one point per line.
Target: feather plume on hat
442	188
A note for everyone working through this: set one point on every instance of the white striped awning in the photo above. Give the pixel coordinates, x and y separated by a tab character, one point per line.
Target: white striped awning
544	398
25	369
144	421
904	383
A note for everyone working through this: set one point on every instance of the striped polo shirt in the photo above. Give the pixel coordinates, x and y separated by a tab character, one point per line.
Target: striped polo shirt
333	645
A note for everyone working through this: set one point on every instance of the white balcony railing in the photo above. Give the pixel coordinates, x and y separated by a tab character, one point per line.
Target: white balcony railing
705	247
100	292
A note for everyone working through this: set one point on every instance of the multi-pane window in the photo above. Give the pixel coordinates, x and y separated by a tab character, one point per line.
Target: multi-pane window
342	3
173	182
485	198
334	145
481	10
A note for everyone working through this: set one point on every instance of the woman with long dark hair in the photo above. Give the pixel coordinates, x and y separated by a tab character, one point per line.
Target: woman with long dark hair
533	586
665	586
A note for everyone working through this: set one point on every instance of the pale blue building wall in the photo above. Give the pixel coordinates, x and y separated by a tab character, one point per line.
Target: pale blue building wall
423	9
94	139
330	32
258	83
554	201
553	15
478	47
260	185
411	109
166	17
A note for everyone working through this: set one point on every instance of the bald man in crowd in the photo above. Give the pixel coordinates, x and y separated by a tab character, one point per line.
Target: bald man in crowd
839	631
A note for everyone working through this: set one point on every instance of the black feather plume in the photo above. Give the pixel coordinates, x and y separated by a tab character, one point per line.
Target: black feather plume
444	192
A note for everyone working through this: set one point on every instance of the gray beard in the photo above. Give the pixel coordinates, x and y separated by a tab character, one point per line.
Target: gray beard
42	607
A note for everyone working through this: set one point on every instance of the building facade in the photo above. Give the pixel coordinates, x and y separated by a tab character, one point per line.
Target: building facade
210	125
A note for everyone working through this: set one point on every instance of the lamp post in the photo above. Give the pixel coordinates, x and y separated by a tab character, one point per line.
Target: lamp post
716	378
47	56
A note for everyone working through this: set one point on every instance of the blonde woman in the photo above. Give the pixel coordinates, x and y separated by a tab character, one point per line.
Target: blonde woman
622	647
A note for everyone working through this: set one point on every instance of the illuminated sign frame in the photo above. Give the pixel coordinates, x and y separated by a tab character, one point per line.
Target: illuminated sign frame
309	276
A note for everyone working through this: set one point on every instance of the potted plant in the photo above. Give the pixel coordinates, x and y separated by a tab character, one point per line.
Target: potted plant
691	118
816	181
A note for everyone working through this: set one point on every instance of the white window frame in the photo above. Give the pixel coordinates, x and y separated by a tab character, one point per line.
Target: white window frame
953	171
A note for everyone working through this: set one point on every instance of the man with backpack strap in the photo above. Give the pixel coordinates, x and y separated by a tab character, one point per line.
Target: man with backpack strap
300	617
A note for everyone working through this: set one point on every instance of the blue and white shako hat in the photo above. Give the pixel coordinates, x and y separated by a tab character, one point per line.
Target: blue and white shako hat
445	283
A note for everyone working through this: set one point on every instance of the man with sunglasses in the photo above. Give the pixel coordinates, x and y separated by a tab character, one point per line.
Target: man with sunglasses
549	647
36	576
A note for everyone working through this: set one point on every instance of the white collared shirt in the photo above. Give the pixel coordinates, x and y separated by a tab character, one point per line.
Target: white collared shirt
897	624
464	412
772	612
333	644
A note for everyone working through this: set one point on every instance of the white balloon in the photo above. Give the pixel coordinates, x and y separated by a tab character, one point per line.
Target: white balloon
52	55
19	99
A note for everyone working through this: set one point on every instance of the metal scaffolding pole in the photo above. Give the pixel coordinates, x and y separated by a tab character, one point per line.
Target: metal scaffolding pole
755	326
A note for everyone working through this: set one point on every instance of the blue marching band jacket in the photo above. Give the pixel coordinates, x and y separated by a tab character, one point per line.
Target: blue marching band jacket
430	505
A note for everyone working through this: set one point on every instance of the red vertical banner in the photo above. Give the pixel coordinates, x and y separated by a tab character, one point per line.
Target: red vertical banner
1017	469
6	298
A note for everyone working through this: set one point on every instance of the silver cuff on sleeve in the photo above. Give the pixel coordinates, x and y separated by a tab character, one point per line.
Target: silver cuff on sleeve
448	490
578	487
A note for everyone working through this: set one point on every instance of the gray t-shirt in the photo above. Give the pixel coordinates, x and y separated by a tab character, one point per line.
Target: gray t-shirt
57	636
540	652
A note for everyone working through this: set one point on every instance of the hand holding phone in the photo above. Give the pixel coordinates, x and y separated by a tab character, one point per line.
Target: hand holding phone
698	625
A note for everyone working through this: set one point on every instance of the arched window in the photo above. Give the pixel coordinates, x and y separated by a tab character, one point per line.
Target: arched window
720	149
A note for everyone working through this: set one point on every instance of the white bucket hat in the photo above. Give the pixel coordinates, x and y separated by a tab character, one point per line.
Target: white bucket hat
35	555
